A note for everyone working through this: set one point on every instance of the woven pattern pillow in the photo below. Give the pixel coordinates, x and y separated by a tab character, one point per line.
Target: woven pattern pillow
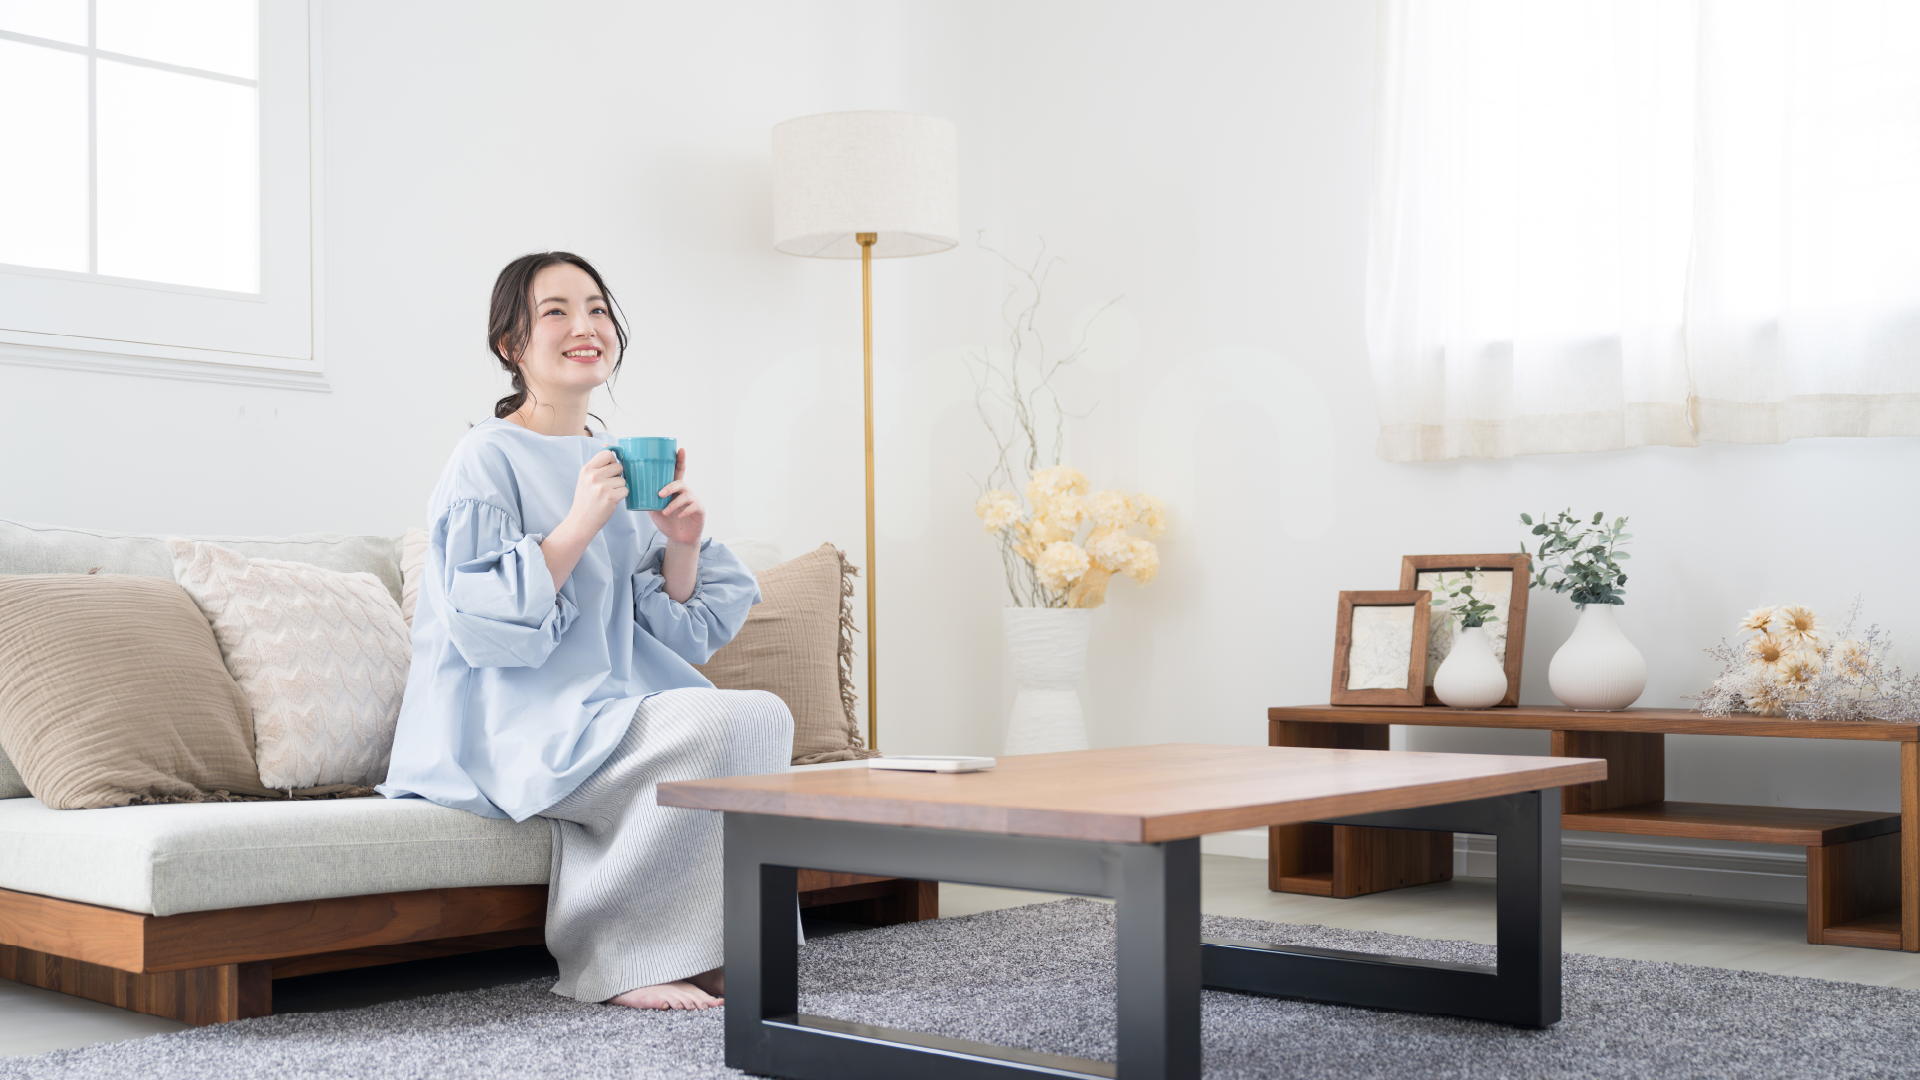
798	645
321	655
112	692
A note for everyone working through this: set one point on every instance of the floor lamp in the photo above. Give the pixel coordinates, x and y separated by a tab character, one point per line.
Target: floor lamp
866	185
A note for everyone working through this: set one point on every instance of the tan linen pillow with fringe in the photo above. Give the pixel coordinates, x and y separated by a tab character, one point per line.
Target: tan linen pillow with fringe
797	644
112	692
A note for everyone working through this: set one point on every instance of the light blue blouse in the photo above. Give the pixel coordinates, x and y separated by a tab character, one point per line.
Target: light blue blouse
518	692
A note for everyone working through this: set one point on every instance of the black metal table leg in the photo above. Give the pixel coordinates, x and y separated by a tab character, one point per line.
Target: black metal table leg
1524	989
1157	954
1157	892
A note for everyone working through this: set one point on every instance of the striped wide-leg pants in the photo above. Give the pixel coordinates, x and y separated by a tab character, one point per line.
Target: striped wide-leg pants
635	897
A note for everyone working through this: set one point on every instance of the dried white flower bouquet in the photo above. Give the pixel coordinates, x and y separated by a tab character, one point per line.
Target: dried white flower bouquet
1060	571
1048	564
1795	666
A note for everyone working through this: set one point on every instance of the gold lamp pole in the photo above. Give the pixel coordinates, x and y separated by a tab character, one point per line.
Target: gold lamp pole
866	241
864	184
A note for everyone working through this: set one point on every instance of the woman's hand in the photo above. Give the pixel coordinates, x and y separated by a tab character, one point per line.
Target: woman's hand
683	522
600	490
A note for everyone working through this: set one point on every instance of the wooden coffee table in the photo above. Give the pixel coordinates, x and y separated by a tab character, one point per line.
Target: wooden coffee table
1124	823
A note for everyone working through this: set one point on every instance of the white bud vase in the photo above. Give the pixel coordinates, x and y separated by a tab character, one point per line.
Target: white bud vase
1048	647
1598	669
1470	678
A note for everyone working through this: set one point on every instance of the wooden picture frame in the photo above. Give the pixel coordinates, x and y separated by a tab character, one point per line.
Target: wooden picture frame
1381	637
1511	645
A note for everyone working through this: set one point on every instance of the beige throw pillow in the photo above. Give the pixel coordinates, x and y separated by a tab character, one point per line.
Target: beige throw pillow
798	645
321	655
112	692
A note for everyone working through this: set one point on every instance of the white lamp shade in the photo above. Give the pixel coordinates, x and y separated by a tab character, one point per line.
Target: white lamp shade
894	174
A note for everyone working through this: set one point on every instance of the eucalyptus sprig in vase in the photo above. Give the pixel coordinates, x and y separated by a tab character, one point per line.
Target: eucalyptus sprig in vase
1470	677
1597	669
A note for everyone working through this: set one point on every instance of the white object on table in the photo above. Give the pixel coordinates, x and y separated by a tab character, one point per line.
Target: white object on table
932	763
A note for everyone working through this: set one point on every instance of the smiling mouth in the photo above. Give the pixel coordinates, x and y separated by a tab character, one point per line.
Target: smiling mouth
587	355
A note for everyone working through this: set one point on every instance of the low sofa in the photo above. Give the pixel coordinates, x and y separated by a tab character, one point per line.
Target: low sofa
192	910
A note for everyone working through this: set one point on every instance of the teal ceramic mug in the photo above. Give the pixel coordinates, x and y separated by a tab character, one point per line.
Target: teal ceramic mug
648	463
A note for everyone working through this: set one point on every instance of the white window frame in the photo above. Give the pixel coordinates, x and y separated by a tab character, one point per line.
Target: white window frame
91	322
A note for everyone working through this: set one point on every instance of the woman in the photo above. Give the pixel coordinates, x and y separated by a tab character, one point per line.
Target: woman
552	658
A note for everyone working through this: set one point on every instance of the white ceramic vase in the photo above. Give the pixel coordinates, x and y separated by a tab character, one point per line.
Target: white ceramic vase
1470	678
1048	647
1598	669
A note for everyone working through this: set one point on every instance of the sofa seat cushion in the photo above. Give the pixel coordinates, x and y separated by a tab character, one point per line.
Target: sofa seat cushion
167	859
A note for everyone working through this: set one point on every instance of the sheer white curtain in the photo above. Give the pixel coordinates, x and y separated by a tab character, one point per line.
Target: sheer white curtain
1606	223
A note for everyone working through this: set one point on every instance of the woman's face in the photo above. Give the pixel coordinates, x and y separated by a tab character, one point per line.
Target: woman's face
571	349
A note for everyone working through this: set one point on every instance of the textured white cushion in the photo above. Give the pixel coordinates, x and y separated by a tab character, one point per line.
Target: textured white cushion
27	548
322	657
413	564
759	555
200	856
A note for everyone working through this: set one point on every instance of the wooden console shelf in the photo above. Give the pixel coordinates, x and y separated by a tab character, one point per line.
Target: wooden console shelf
1863	867
1747	824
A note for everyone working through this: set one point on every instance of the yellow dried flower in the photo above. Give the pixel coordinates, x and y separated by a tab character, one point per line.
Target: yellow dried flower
1767	649
1798	669
998	510
1069	511
1145	562
1091	590
1150	512
1758	619
1852	660
1060	564
1109	509
1110	548
1062	524
1799	625
1766	697
1048	485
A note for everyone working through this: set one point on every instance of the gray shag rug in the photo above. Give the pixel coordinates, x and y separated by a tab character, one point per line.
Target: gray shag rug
1042	977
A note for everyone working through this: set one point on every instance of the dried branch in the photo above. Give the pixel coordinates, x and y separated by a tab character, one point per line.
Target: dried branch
1014	400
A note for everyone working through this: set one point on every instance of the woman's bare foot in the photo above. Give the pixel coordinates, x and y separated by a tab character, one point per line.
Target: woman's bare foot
674	995
713	982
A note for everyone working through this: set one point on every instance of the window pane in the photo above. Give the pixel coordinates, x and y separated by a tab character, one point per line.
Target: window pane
212	35
61	20
179	175
43	209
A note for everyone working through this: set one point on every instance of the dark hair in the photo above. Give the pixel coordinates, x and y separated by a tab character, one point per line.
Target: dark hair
510	319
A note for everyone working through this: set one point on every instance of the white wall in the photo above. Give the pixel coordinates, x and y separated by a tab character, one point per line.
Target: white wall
1209	163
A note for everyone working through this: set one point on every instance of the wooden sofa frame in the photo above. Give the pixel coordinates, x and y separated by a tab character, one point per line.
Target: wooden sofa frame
209	967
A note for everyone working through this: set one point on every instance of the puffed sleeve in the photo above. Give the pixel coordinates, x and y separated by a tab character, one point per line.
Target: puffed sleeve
502	609
723	591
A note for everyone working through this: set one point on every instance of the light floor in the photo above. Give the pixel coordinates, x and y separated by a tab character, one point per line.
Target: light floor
1606	922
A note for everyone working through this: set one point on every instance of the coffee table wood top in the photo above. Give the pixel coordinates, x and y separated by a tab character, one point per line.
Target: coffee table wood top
1560	718
1139	794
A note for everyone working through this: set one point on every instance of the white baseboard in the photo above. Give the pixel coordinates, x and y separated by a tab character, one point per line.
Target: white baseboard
1241	844
1746	873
